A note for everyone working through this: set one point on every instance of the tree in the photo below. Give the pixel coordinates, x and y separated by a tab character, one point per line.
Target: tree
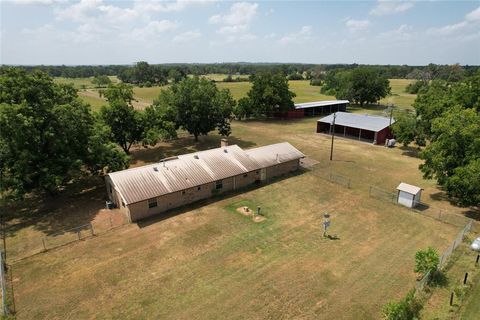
199	106
118	92
101	81
269	94
426	261
452	156
360	85
45	133
406	129
126	124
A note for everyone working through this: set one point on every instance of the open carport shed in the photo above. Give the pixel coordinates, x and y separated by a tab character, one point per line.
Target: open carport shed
316	108
363	127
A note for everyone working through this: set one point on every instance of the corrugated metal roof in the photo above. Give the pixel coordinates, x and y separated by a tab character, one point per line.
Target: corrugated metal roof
360	121
323	103
408	188
273	154
193	169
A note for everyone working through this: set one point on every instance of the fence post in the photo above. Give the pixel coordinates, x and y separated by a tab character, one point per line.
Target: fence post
451	299
91	229
3	284
44	246
78	234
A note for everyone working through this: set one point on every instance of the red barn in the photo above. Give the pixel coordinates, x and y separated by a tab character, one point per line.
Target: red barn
363	127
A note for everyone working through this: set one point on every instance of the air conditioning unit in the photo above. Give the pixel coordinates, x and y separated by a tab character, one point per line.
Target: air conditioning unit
109	205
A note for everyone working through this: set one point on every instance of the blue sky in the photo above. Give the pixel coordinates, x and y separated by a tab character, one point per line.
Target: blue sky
123	32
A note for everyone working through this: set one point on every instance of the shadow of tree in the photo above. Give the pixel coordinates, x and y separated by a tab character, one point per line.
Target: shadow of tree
410	151
75	205
182	145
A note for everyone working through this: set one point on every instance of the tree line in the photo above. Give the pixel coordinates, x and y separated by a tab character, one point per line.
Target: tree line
445	124
295	71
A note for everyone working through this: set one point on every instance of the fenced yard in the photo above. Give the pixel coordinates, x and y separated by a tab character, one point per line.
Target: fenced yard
207	262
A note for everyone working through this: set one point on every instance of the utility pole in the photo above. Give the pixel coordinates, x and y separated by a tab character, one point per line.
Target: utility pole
333	134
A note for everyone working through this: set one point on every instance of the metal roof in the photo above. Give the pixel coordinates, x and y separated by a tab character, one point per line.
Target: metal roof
408	188
360	121
194	169
274	154
323	103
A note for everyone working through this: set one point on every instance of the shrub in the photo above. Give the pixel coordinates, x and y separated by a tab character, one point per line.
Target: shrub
426	260
406	309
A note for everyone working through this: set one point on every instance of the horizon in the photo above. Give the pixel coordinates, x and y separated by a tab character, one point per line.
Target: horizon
102	32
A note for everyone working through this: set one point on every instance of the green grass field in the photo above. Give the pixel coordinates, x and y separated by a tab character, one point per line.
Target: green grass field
207	261
302	88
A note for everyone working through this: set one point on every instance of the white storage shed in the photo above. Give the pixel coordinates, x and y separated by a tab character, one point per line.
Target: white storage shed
408	195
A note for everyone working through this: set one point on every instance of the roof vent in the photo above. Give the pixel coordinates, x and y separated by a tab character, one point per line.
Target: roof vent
155	169
225	150
195	156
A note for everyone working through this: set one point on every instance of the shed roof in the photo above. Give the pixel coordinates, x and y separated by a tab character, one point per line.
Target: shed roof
323	103
194	169
360	121
408	188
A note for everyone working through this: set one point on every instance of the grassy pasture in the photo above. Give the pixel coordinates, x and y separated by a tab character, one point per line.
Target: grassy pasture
302	88
205	261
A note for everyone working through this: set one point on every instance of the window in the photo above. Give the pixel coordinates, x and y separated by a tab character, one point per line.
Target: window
152	203
199	188
218	184
245	175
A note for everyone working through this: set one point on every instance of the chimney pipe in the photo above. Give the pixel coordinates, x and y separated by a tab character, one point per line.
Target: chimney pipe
224	142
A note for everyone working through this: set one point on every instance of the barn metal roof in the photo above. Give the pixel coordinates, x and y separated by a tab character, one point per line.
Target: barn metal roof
322	103
360	121
194	169
408	188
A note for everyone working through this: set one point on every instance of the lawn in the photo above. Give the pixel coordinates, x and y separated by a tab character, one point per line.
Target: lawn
302	88
206	261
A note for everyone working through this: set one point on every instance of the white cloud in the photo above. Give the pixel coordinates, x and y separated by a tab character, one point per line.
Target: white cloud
240	13
388	7
471	21
167	6
187	36
402	33
152	29
298	37
233	29
473	16
235	24
357	25
35	2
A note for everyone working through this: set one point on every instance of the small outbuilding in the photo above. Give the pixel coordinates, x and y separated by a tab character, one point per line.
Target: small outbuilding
364	127
408	195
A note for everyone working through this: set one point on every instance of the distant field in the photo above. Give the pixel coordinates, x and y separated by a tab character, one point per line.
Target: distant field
302	88
207	261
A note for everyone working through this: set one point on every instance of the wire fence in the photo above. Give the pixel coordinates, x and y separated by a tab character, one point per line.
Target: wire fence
37	245
390	196
446	254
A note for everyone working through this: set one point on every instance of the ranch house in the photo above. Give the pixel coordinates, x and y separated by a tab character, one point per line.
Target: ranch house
362	127
173	182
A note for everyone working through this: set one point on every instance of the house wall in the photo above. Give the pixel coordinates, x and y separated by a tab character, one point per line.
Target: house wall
282	168
177	199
